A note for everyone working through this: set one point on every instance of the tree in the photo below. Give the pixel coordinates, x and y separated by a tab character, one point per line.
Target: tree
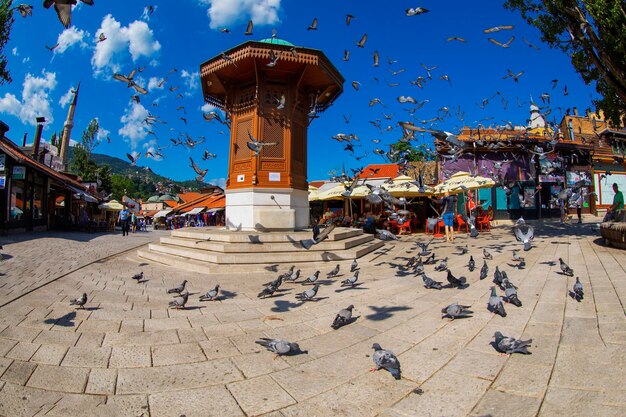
405	151
6	22
592	33
121	183
90	139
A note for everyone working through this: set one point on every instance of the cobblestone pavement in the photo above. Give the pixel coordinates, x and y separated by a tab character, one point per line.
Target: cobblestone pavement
126	354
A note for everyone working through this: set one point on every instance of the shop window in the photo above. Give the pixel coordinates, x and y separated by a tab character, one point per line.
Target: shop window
18	198
38	200
484	198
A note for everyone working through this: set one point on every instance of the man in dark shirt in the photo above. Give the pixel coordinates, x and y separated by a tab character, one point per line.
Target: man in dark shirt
448	202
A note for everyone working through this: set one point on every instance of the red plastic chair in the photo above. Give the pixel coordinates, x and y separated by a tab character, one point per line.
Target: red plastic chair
460	222
405	226
438	228
485	220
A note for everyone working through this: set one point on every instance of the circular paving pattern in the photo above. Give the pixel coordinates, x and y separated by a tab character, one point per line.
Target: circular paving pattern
127	354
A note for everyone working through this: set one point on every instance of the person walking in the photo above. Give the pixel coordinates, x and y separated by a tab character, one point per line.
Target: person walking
618	204
449	208
133	222
124	218
578	202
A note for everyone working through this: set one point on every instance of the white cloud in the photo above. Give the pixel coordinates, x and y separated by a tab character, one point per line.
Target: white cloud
102	132
153	84
14	52
191	80
70	37
220	182
225	12
35	99
134	127
66	97
137	38
206	108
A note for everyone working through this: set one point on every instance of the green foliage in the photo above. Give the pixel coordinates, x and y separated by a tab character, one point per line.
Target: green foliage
406	151
593	34
6	22
53	139
89	139
121	184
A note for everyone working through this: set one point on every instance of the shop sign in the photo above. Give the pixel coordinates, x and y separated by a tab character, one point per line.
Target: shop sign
551	178
19	172
3	180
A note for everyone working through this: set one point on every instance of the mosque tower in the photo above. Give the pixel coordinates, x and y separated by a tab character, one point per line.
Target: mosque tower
67	128
537	120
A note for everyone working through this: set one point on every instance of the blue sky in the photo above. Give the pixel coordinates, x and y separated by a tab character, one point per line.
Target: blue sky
182	34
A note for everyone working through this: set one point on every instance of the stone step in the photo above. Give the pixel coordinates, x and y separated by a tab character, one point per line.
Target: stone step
253	246
297	255
216	234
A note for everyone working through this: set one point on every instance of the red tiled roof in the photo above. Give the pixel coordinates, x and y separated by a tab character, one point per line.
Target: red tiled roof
189	196
317	184
150	213
206	200
380	171
171	203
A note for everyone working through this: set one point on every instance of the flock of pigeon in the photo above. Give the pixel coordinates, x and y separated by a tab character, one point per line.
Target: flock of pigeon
385	359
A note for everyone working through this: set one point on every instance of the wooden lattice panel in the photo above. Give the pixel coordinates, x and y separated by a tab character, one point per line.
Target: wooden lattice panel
273	132
298	143
241	148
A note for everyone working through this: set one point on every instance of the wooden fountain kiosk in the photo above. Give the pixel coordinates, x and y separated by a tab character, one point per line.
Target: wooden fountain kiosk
271	91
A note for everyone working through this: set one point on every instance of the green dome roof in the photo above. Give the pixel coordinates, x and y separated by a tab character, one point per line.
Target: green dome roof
276	41
153	199
166	197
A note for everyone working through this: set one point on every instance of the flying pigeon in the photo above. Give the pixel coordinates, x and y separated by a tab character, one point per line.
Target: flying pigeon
133	159
385	359
414	11
249	27
471	264
503	45
343	317
24	9
334	272
431	283
495	303
354	266
130	82
524	233
484	270
361	42
211	295
456	282
201	172
312	278
350	281
455	311
279	347
308	295
180	301
313	25
64	9
80	302
179	289
578	292
510	294
510	345
256	146
317	236
565	268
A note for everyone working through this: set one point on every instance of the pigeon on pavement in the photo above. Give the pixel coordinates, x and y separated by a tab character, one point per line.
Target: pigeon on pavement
578	292
385	359
565	268
484	270
495	303
510	294
308	295
497	277
471	264
510	345
487	255
383	234
293	277
354	266
430	260
80	301
279	347
516	256
443	265
431	283
268	291
456	282
178	289
343	317
180	301
334	272
312	278
419	268
138	277
211	295
455	311
350	281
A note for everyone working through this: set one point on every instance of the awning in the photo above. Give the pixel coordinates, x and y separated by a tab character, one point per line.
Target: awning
162	213
82	194
215	210
111	205
195	210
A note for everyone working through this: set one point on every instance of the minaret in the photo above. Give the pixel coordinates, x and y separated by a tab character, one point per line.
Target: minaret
67	128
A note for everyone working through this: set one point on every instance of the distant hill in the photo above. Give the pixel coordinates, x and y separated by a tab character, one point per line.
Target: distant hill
143	174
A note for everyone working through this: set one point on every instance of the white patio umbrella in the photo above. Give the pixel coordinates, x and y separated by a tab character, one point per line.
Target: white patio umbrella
462	181
404	186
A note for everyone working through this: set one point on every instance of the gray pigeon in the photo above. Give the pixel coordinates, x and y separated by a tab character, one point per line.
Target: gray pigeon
484	270
456	282
419	268
179	289
308	295
343	317
431	283
211	295
334	272
350	281
487	255
495	303
354	266
180	301
279	347
383	234
312	278
471	264
524	233
317	236
430	260
293	277
138	277
443	265
510	294
565	268
80	301
578	292
464	249
268	291
455	311
385	359
510	345
497	277
516	256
